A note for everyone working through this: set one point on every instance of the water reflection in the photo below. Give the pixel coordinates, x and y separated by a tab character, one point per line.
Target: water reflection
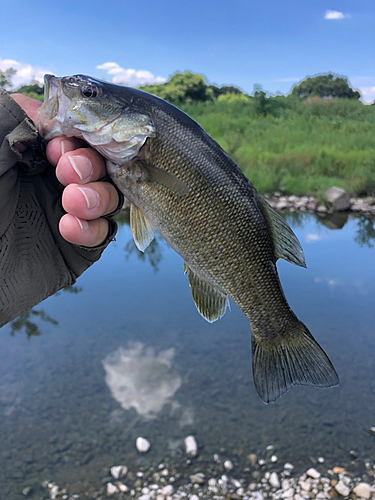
25	321
153	253
141	379
366	232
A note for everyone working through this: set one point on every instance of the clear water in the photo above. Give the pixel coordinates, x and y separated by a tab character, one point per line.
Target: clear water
125	354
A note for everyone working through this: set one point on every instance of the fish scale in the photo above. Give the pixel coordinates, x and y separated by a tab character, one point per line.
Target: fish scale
181	183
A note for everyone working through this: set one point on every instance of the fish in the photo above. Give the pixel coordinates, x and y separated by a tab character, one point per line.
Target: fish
182	184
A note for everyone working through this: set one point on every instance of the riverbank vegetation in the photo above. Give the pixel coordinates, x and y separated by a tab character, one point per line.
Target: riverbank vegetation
318	136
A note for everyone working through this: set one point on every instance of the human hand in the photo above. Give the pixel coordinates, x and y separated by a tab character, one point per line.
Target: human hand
85	199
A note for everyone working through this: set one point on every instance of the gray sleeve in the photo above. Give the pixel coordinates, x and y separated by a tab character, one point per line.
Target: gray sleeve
35	261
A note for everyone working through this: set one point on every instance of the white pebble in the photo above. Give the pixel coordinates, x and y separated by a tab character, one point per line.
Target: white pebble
270	447
228	465
274	458
167	490
288	466
191	446
142	445
111	489
274	480
313	473
372	429
305	485
321	460
216	457
236	483
240	492
165	472
289	493
122	487
362	490
261	461
144	497
212	482
342	489
193	497
118	471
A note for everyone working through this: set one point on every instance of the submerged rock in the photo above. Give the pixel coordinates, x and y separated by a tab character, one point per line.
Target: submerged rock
342	489
191	446
118	471
362	490
142	445
274	480
313	473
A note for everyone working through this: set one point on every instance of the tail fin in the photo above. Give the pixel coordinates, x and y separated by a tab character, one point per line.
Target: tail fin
296	360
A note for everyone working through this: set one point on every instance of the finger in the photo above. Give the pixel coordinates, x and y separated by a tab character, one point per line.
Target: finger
82	232
61	145
90	201
30	106
80	166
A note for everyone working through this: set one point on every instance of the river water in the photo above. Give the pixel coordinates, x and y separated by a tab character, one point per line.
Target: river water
124	353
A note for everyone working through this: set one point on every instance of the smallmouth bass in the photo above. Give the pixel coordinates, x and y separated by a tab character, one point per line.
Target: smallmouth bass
181	183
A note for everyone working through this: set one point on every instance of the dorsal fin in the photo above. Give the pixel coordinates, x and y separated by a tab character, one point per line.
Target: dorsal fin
210	303
142	231
286	244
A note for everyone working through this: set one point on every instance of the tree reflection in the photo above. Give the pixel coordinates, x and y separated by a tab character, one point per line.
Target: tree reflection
365	231
153	253
24	321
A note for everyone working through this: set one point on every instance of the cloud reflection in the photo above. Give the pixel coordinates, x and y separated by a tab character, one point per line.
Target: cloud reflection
141	379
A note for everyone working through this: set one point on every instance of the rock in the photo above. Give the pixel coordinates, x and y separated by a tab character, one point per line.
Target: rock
191	446
339	470
26	491
228	465
270	447
362	490
111	489
288	466
338	198
212	482
313	473
261	461
281	205
353	455
252	459
240	492
305	485
321	460
289	493
118	471
274	459
122	487
274	480
342	489
142	445
167	490
322	209
372	429
193	497
197	478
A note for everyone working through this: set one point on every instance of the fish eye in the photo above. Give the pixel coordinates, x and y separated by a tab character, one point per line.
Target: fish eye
90	92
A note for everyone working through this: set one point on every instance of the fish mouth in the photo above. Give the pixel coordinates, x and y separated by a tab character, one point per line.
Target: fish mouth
51	114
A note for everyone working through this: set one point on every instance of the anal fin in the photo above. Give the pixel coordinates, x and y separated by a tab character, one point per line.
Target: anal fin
211	303
142	231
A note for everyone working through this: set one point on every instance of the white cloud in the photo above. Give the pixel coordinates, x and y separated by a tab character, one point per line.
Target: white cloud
334	14
26	73
368	94
129	77
313	237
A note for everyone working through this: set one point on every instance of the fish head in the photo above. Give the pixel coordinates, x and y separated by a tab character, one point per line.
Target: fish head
81	106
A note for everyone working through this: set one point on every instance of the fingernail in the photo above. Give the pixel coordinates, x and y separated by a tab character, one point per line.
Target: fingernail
62	146
81	165
91	196
83	224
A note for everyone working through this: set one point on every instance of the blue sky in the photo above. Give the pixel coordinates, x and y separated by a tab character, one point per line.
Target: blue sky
273	43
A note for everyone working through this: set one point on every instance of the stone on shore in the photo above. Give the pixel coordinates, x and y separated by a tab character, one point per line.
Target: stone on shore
142	445
338	198
362	490
118	471
342	489
191	446
228	465
274	480
112	489
313	473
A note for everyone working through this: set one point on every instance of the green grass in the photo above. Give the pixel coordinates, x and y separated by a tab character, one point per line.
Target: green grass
301	147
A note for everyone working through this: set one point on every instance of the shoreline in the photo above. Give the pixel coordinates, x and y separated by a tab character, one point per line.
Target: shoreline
187	478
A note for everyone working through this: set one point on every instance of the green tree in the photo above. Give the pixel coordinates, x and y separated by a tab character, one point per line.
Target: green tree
6	77
182	88
224	90
33	90
326	85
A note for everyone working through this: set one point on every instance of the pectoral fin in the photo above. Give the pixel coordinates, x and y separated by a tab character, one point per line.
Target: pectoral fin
286	244
163	178
210	303
143	232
